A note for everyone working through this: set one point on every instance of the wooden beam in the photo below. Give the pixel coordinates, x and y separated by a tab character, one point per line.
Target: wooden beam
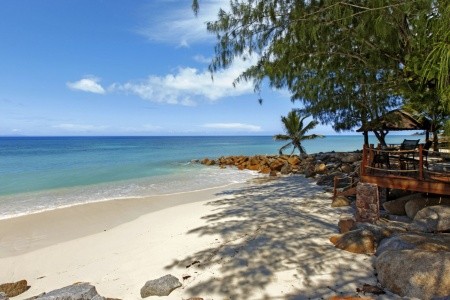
441	188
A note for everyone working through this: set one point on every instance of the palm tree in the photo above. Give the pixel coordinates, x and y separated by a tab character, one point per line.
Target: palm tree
295	132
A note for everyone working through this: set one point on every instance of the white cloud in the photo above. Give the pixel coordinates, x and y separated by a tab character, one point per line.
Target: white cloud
141	129
233	126
79	127
189	83
202	59
178	24
88	84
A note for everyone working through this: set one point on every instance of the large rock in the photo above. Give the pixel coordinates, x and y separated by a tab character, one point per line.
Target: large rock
379	232
293	160
415	273
346	168
320	168
340	201
414	205
162	286
351	158
14	288
78	291
397	206
432	219
357	241
286	169
345	225
418	241
327	180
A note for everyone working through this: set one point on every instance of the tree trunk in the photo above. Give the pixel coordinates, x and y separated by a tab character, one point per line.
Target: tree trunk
366	138
381	136
435	141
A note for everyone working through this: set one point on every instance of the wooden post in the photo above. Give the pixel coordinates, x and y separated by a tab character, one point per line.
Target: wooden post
364	160
334	190
420	162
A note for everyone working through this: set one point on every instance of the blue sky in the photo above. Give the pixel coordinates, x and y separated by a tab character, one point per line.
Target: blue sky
115	67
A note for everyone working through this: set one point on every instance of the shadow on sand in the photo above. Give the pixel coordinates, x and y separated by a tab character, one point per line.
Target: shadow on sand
273	244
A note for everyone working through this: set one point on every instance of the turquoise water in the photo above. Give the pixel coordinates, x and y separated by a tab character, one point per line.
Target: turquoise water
41	173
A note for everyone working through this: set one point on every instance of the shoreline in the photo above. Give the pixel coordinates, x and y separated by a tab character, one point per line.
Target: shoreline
267	238
96	216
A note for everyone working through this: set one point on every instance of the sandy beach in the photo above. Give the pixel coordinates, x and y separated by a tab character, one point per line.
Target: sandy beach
266	239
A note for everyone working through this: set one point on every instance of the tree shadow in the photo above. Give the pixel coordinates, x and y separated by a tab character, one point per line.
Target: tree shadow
274	245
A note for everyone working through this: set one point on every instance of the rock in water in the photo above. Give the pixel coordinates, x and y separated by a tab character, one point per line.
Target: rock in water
78	291
431	219
160	287
415	273
14	289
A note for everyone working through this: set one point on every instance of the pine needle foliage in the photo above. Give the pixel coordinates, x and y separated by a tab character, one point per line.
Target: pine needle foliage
346	61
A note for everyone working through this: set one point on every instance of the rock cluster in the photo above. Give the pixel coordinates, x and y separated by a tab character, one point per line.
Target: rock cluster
325	165
162	286
409	205
410	264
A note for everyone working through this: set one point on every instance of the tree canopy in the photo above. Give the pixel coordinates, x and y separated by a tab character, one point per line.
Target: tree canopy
346	61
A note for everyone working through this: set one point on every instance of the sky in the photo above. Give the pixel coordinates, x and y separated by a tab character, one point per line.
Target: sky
116	67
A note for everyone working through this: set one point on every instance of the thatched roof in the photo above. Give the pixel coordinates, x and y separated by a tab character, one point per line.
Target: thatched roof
397	120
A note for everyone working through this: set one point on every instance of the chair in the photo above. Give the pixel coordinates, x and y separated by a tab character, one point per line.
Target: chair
381	158
409	145
425	151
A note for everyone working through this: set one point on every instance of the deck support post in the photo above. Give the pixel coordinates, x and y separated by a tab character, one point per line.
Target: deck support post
367	203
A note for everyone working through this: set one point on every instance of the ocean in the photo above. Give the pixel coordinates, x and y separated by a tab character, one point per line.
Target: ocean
44	173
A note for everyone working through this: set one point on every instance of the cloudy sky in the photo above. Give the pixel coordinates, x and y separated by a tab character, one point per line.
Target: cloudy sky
115	67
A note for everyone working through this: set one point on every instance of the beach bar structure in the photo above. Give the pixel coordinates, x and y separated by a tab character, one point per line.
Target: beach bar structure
409	170
397	120
406	166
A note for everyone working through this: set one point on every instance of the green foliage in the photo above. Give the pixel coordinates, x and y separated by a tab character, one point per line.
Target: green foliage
447	129
295	132
346	61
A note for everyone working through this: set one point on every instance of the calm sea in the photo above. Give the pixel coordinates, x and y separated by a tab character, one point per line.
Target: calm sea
43	173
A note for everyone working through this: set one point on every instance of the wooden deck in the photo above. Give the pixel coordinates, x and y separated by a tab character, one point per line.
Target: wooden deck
407	170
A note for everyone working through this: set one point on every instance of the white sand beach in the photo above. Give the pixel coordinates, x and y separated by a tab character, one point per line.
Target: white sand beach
267	239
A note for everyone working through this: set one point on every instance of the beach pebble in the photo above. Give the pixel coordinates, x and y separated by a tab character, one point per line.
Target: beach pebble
162	286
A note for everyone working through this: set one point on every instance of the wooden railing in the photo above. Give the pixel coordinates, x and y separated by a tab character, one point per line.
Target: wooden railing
404	169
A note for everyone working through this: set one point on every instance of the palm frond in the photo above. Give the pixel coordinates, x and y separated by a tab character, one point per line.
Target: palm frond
312	136
281	137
